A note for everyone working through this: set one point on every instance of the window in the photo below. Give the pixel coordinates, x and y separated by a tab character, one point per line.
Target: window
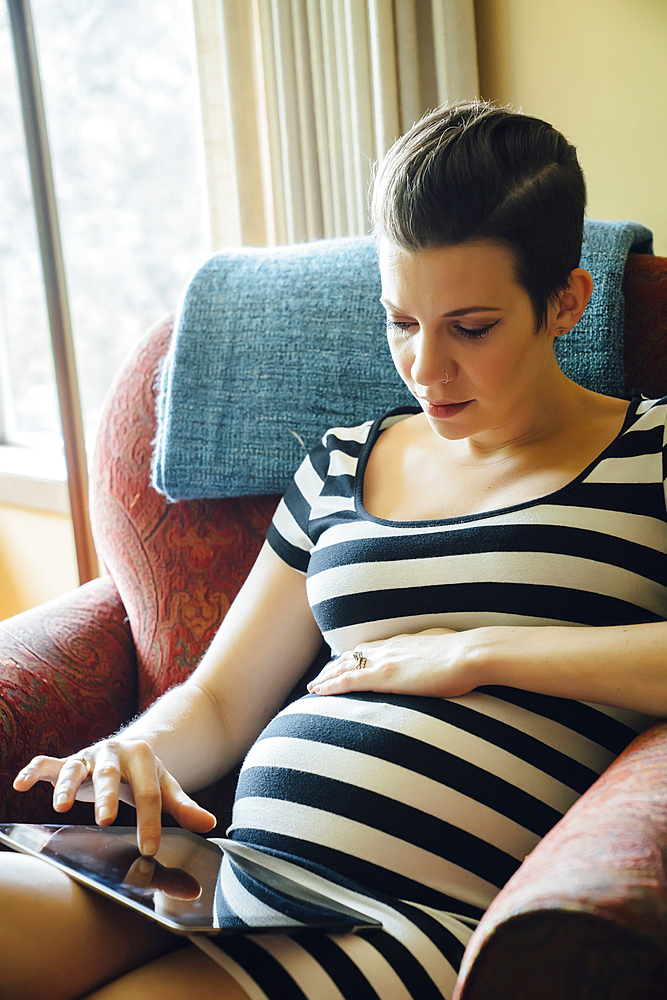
122	106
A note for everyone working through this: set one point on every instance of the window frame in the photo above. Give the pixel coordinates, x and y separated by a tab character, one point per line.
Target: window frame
55	284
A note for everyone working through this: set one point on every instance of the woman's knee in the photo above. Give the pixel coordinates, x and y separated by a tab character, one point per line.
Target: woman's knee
60	940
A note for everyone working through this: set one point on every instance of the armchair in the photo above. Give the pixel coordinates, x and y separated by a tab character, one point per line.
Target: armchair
584	917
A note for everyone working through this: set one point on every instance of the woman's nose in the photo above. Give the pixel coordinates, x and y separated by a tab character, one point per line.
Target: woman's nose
431	362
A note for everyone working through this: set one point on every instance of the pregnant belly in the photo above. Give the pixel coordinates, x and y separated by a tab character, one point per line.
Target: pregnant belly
425	799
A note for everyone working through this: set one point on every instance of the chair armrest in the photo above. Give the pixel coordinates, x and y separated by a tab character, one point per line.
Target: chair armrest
586	914
67	677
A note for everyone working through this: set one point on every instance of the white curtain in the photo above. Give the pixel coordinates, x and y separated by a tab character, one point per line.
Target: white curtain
300	97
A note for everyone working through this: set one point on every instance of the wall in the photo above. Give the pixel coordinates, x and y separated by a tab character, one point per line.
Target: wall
596	70
37	559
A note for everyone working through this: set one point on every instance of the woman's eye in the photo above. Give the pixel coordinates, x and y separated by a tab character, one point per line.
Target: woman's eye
399	324
475	334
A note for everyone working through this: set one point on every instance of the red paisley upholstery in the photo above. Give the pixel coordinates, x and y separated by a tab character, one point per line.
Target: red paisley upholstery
585	916
67	676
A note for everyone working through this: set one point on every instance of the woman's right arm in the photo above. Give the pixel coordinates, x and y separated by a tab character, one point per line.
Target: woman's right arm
197	731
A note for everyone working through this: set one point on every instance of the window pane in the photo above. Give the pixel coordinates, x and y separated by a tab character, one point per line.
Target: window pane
119	81
27	380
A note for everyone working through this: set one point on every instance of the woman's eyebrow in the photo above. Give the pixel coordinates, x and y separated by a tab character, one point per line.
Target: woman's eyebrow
455	312
472	309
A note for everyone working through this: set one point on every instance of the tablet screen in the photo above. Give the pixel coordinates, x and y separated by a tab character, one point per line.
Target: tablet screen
189	886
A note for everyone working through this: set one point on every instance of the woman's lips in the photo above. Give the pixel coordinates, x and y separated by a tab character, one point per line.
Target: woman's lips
443	409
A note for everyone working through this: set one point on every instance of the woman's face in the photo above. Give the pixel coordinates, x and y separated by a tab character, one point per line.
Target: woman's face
462	333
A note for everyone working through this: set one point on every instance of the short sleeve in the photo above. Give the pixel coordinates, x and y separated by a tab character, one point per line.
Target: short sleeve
288	532
652	419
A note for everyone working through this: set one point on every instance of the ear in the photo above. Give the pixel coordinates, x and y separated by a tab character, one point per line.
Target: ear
572	302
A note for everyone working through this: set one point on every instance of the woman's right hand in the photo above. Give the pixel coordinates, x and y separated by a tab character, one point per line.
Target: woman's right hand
114	769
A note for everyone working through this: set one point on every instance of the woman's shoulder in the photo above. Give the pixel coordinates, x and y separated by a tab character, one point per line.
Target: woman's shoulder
353	439
645	412
645	403
342	450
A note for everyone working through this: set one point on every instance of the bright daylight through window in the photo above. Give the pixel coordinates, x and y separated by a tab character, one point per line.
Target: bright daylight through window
121	97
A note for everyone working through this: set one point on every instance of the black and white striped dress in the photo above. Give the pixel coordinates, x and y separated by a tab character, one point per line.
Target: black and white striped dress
417	810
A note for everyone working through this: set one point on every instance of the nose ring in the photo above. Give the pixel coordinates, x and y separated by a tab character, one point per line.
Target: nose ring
445	379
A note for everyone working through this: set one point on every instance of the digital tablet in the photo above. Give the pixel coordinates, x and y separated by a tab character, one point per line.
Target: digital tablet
191	886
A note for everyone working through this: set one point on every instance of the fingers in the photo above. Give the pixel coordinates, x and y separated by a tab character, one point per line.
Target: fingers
353	670
66	774
114	763
74	771
142	771
188	813
39	769
407	662
111	768
154	790
434	663
106	776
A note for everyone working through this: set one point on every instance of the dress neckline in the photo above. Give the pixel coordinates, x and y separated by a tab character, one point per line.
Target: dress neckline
381	424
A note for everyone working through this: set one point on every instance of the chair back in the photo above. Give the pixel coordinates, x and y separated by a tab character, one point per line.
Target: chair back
179	565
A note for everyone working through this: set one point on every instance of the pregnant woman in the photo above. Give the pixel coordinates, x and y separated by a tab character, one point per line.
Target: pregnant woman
488	569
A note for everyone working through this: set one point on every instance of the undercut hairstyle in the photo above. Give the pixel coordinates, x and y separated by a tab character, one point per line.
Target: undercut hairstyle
473	172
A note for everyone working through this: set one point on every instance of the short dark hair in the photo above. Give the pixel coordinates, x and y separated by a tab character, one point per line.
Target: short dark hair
473	171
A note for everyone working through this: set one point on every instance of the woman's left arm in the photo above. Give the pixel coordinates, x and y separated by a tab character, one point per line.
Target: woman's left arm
620	665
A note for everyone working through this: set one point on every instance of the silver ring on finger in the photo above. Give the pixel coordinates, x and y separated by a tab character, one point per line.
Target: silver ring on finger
359	659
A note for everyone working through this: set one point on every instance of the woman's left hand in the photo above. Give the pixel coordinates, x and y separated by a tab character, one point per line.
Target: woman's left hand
431	663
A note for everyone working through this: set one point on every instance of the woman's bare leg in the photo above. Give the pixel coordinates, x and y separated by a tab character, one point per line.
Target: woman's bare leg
60	940
179	976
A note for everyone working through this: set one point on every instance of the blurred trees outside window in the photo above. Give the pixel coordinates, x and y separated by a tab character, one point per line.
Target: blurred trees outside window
122	103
